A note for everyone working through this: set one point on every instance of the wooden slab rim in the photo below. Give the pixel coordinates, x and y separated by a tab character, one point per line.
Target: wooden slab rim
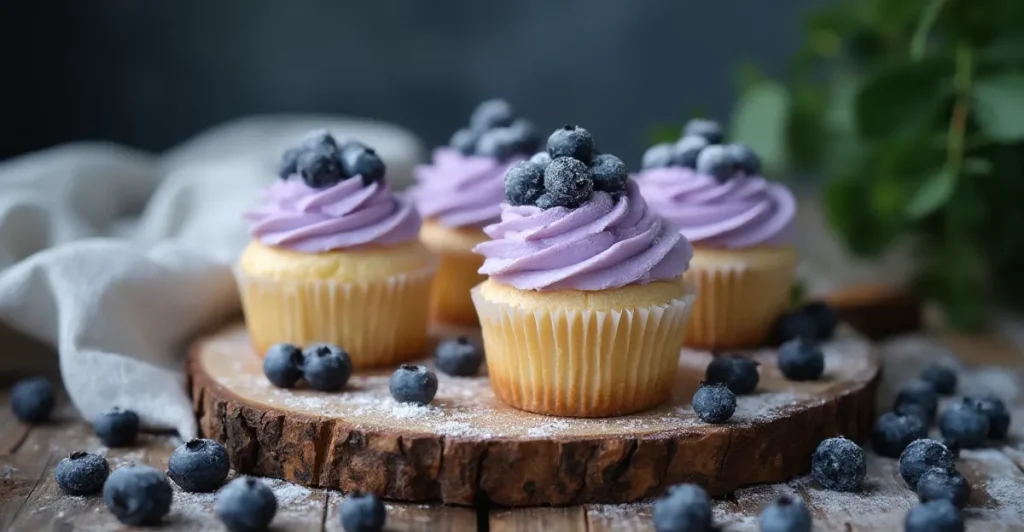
449	453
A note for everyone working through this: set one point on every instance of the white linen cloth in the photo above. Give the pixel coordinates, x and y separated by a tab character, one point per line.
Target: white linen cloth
118	258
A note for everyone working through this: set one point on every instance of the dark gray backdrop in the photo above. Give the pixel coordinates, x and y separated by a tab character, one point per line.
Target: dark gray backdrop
151	73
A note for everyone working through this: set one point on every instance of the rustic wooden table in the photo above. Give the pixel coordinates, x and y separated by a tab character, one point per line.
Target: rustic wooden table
30	500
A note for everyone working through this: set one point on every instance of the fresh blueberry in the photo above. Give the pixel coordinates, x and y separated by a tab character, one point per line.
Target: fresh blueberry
737	372
686	508
961	422
459	357
32	400
686	151
524	183
289	163
794	324
658	156
318	139
714	403
527	140
283	365
940	483
838	464
199	465
137	495
358	160
922	455
801	359
998	415
545	202
787	514
362	512
117	427
934	516
746	160
541	159
893	433
571	141
82	473
500	143
320	168
921	395
716	161
464	140
567	181
942	378
326	367
709	129
492	114
413	384
245	505
609	173
824	318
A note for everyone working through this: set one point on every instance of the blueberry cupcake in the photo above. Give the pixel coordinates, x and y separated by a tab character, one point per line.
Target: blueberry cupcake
335	258
585	306
460	192
741	227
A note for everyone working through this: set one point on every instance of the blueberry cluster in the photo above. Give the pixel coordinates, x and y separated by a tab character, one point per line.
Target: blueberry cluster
322	162
701	148
325	367
567	174
927	467
495	131
839	464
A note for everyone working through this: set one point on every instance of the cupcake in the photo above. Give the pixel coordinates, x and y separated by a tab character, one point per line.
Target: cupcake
460	192
585	306
335	258
741	227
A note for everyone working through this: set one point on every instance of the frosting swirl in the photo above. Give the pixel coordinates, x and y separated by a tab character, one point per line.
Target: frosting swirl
461	190
737	213
348	214
605	243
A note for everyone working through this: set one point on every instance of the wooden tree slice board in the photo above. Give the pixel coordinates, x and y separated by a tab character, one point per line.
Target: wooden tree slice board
470	448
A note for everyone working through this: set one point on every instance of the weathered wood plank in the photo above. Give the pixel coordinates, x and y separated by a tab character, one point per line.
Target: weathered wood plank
997	490
410	517
12	431
569	519
636	517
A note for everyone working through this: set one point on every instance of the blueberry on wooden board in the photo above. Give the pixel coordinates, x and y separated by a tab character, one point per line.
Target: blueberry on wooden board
82	473
934	516
459	357
199	465
245	505
137	495
995	409
839	464
894	432
921	395
801	359
941	483
942	378
964	424
922	455
411	383
714	403
362	512
117	427
685	508
32	400
787	514
282	365
326	367
737	372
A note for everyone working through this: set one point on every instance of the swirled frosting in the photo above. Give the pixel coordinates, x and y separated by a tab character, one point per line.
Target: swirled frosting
740	212
460	190
605	243
348	214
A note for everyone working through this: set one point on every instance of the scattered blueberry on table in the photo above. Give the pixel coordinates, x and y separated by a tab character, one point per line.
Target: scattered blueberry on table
82	473
942	483
459	357
117	427
685	508
922	455
326	367
737	372
894	432
787	514
714	403
245	505
995	409
199	465
411	383
137	495
917	397
801	359
839	464
934	516
32	400
963	423
942	378
283	365
362	512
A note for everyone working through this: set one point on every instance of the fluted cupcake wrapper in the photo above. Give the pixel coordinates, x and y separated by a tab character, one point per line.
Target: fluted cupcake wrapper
739	301
450	301
377	322
583	362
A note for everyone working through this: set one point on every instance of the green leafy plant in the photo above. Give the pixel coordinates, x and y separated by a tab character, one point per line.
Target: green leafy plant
911	112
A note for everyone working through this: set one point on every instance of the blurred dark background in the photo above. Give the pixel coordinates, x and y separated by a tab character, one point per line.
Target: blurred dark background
150	74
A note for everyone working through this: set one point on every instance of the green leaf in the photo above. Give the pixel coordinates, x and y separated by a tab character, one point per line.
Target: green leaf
919	42
904	97
932	194
977	166
848	211
1004	49
759	121
1000	106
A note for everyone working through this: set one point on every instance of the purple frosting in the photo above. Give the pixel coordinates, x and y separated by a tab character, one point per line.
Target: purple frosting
604	243
738	213
460	190
297	217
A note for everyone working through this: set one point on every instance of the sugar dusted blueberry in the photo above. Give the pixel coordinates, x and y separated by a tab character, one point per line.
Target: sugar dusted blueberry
32	400
609	173
137	495
685	508
246	505
460	357
709	129
541	158
714	403
942	483
359	160
567	181
894	432
413	384
545	202
492	114
995	409
801	359
961	422
524	183
464	140
326	367
746	160
921	395
500	143
117	427
658	156
934	516
941	377
737	372
82	473
922	455
716	161
686	151
571	141
787	514
282	365
320	168
839	464
199	465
